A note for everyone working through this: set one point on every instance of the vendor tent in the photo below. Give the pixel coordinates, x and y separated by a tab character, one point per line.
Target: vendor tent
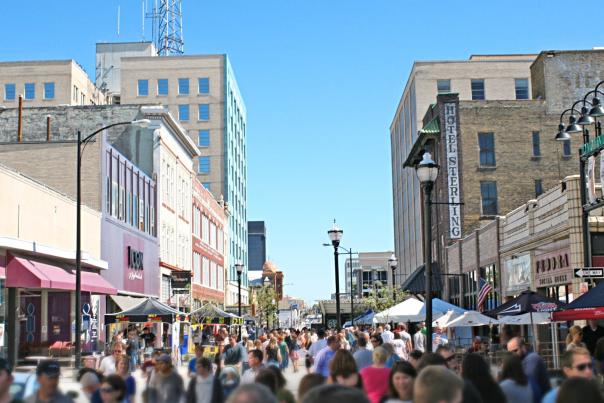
148	310
361	319
527	302
588	306
440	308
539	318
407	310
470	319
211	314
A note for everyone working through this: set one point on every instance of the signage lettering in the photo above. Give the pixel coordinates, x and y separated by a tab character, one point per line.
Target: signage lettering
552	263
135	262
452	170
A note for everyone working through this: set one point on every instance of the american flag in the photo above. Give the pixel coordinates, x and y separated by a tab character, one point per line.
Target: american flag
485	289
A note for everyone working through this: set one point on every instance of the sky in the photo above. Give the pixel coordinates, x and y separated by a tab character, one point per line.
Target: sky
321	80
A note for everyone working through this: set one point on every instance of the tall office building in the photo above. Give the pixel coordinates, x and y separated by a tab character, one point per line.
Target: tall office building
482	77
256	239
202	93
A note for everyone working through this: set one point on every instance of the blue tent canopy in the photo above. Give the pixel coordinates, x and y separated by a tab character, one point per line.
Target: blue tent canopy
364	319
441	307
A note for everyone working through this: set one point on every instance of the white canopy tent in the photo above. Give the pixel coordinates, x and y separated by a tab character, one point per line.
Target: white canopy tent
408	310
470	319
538	318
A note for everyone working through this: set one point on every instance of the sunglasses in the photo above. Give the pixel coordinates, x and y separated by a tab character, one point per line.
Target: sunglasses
106	389
584	366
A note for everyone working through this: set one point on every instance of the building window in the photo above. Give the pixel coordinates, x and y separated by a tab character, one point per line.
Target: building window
162	86
486	143
9	92
536	145
30	90
206	185
204	138
477	89
183	112
538	187
49	90
183	86
566	151
522	88
488	196
204	85
143	88
443	86
204	111
204	165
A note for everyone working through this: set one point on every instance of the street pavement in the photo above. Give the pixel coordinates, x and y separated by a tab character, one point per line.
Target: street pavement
69	384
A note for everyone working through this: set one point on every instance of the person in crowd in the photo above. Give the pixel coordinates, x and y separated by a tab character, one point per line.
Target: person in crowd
294	351
273	354
376	341
107	366
419	337
437	384
430	359
447	351
192	366
533	365
344	343
167	385
414	357
255	359
400	347
148	337
400	386
113	389
233	353
591	334
284	351
439	337
392	356
252	393
375	377
475	369
387	335
469	392
579	390
599	355
575	363
334	394
47	375
324	357
123	370
6	380
574	338
362	356
132	349
513	380
308	382
90	384
204	387
317	345
272	378
343	369
245	348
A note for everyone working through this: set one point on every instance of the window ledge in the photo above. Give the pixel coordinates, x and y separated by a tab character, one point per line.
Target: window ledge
487	217
535	158
567	157
486	168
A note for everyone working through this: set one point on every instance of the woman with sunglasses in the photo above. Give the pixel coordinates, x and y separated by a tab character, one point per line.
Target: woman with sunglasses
574	338
113	389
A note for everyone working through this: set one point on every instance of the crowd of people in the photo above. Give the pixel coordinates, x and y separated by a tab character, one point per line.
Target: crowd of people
372	365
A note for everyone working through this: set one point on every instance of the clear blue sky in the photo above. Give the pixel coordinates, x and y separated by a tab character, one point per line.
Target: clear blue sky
321	80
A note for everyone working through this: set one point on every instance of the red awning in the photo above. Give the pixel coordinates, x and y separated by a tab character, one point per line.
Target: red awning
25	273
578	314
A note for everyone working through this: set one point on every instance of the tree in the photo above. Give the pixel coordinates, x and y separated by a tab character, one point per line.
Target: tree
267	303
381	297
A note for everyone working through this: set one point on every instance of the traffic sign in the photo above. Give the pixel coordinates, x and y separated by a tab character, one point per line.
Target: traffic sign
589	272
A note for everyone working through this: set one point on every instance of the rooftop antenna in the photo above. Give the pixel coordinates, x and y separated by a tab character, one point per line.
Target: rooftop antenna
143	20
167	27
118	21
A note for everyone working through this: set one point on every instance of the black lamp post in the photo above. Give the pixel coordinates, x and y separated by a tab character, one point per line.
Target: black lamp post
239	268
78	275
427	171
335	236
393	263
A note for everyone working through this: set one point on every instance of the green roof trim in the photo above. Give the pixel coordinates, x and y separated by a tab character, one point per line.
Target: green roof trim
433	127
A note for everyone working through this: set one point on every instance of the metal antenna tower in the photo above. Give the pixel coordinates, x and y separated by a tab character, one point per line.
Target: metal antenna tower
167	27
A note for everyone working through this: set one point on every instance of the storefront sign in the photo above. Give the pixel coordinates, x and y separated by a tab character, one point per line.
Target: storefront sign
134	263
553	268
135	259
452	170
517	273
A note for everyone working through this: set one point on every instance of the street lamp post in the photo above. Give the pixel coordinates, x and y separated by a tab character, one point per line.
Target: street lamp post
239	268
335	235
427	171
393	263
78	275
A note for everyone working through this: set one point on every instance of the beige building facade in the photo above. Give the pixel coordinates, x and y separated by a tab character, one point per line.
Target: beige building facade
484	77
47	83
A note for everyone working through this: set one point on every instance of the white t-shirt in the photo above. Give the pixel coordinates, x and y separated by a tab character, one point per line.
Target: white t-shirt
419	341
399	348
387	336
107	366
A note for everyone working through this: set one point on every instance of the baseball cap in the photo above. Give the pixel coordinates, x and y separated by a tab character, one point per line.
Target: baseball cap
4	365
49	368
164	358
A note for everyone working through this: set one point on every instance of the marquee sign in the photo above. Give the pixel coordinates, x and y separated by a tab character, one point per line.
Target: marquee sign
452	170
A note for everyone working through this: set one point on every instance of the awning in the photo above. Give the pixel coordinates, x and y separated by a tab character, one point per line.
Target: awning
125	302
25	273
416	282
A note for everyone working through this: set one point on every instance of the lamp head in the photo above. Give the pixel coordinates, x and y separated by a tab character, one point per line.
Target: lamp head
427	170
585	119
393	261
239	267
562	135
335	235
596	110
573	127
142	123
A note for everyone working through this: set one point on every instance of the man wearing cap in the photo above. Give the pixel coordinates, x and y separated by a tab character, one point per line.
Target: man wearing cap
48	373
167	385
6	380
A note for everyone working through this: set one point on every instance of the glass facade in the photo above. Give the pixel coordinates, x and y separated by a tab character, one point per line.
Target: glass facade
256	244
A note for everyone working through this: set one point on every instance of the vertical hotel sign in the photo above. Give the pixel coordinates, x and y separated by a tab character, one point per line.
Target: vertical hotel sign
452	170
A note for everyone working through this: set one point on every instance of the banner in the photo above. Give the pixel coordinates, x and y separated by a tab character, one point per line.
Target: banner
591	179
452	170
